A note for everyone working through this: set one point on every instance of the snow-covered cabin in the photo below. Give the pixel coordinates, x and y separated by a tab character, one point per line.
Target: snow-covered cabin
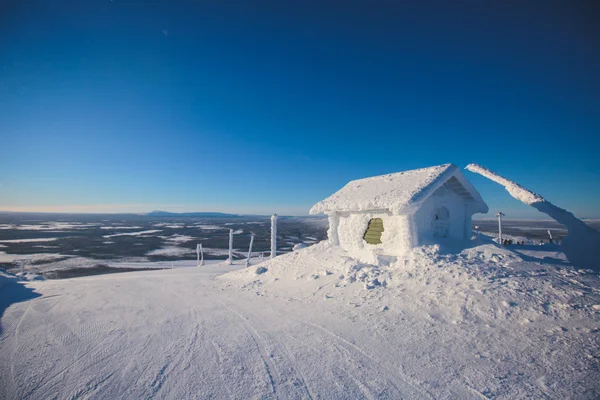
389	214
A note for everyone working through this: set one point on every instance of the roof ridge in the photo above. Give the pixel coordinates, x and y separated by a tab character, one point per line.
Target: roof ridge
402	172
400	192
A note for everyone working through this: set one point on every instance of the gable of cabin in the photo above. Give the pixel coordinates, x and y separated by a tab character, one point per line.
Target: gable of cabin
446	214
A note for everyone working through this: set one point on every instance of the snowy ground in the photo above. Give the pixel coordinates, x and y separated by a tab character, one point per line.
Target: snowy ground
488	322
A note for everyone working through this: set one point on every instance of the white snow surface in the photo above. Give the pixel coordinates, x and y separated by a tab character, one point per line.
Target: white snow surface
27	258
29	240
140	233
120	227
400	192
177	238
484	322
172	251
49	226
208	227
299	246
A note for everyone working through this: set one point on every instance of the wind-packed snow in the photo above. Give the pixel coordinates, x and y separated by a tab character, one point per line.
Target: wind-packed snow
170	225
36	257
208	227
29	240
140	233
120	227
298	246
49	226
170	251
177	238
401	192
484	322
582	244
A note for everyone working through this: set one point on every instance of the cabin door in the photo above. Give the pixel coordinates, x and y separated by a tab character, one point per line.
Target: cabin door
441	222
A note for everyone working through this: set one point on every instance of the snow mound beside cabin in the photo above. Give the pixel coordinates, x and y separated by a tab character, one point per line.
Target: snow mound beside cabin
485	280
517	322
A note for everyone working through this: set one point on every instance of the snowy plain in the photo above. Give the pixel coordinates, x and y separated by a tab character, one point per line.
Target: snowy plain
483	322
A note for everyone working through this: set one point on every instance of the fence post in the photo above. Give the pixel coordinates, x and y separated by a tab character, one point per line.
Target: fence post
250	249
230	259
199	255
273	235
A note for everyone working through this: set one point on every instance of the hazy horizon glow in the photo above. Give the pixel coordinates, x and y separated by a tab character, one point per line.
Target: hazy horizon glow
254	108
146	208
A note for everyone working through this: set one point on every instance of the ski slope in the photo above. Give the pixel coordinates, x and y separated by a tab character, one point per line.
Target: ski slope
485	322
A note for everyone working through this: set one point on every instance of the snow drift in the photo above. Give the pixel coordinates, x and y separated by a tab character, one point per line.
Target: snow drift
582	244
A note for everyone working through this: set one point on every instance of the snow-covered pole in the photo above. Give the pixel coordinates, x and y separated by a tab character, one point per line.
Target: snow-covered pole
582	243
500	215
250	249
230	259
273	235
550	235
200	254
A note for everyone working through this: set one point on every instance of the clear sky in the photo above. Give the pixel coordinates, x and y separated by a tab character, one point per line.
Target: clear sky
118	106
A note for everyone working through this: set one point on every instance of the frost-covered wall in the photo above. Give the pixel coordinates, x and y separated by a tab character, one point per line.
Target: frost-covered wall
397	236
459	212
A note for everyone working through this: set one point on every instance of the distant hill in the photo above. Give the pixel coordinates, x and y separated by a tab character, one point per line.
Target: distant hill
158	213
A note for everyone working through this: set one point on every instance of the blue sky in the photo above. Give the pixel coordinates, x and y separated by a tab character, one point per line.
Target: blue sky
119	106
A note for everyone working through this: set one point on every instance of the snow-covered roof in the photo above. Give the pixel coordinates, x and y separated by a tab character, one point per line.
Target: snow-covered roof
401	192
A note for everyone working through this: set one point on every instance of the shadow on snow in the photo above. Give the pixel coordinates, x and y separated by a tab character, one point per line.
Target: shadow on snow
11	292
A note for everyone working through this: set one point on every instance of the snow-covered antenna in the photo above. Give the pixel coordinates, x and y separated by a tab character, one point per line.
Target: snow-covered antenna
500	215
273	235
199	255
230	259
250	249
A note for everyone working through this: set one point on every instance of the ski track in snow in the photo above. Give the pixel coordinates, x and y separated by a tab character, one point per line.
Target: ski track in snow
297	332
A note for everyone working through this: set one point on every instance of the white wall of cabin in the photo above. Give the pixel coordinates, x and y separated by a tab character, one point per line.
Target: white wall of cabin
397	236
401	232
